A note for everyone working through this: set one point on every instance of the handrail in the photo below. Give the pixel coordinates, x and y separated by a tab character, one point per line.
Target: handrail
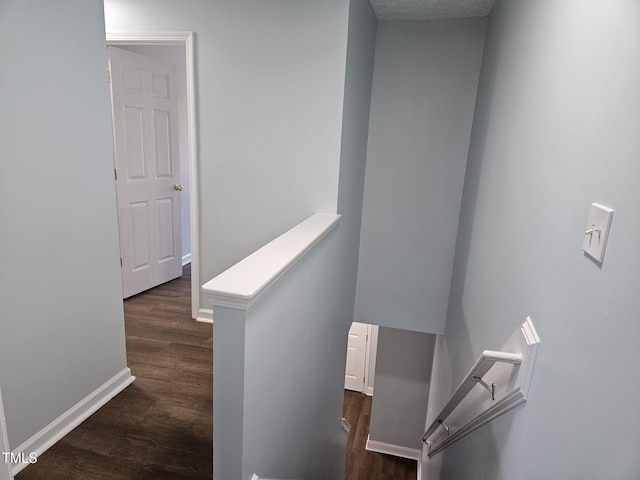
510	389
479	369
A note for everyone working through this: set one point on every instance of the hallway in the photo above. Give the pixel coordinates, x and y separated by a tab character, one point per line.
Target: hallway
160	427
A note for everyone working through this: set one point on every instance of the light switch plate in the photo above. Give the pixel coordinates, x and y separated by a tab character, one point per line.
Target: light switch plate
597	231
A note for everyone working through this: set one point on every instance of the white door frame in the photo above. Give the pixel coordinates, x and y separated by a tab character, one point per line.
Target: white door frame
370	352
370	359
184	39
5	467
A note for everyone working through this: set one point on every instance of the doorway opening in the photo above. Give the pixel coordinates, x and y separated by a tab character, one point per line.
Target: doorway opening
362	345
153	43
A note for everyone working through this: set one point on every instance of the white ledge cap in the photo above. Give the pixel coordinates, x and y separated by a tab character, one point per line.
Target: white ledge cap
242	284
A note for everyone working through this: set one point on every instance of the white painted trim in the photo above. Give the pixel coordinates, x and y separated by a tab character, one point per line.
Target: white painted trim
52	433
186	259
185	39
511	391
205	315
370	360
241	285
5	469
148	38
367	357
390	449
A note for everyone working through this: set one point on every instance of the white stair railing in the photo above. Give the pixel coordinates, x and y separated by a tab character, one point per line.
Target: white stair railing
470	406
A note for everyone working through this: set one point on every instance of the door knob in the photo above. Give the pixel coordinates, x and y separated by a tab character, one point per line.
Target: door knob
178	187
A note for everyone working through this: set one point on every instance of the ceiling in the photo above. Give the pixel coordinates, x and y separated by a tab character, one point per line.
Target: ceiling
421	10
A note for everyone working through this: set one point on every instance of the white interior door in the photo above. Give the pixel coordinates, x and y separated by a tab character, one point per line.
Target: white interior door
5	466
145	124
354	376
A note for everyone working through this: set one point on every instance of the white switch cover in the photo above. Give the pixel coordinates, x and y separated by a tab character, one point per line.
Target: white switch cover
597	231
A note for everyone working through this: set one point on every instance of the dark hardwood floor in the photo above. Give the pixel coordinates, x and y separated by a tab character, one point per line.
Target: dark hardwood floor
161	426
362	464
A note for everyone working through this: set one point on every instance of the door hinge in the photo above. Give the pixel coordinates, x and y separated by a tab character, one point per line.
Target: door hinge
120	262
109	77
115	174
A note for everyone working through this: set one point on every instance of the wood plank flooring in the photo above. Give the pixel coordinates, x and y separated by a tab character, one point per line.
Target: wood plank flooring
161	427
362	464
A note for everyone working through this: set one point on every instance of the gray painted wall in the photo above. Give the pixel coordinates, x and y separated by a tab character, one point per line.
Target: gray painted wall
403	374
556	128
228	392
295	336
61	297
294	370
176	55
424	90
270	82
358	80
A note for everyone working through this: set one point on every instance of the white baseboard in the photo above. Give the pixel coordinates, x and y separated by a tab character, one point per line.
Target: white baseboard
205	315
186	259
396	450
368	391
52	433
